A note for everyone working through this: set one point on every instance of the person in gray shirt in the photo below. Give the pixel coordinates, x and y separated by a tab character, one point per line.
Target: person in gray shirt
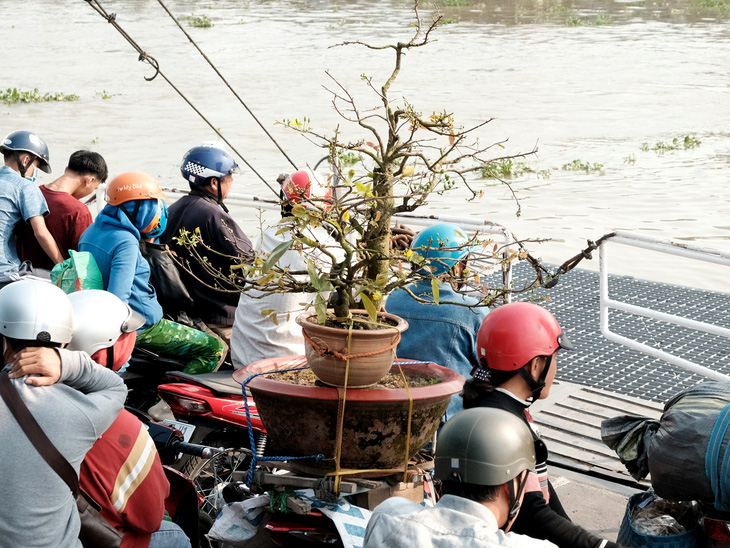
74	401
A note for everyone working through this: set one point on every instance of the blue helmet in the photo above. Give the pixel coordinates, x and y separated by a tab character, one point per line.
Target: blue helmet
27	141
205	161
443	245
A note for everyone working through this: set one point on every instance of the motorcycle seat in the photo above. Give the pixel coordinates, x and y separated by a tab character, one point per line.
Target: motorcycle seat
218	381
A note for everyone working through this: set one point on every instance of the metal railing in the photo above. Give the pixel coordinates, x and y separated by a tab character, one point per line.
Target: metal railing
672	248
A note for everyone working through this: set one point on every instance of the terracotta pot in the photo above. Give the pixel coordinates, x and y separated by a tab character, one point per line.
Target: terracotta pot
302	420
364	369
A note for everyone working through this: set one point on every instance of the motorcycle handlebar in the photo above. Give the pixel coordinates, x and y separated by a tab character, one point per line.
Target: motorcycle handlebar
194	449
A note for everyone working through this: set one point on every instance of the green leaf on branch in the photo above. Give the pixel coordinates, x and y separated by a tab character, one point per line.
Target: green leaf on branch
298	211
370	307
275	255
435	290
271	314
320	307
364	190
314	276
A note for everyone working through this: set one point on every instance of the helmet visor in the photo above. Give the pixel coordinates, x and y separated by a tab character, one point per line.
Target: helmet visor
564	342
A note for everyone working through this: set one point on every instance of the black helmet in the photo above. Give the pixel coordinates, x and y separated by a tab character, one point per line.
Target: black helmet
27	141
484	446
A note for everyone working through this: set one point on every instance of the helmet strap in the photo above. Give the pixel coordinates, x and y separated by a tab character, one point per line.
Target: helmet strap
536	386
219	198
514	497
110	357
21	168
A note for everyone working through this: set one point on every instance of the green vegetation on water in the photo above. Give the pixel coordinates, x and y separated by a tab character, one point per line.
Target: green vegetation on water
12	96
510	169
579	165
197	21
678	143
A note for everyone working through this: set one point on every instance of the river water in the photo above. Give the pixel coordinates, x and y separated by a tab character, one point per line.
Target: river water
545	70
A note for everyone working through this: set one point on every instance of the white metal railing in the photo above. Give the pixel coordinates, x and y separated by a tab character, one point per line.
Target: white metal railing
254	202
672	248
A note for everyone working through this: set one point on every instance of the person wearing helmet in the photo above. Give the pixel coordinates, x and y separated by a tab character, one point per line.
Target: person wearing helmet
483	459
453	326
209	171
107	336
73	400
518	344
136	209
21	199
255	336
68	216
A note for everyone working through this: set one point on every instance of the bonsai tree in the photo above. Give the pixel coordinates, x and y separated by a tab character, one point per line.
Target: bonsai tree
401	158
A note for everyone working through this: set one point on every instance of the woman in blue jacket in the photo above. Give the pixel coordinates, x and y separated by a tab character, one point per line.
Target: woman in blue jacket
136	209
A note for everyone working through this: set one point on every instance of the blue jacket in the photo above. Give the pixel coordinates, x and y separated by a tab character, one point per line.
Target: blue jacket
445	334
114	242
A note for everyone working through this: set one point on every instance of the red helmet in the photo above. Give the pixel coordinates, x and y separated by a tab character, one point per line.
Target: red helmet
515	333
305	185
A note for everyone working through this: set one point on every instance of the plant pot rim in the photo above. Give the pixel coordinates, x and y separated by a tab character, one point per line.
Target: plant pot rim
402	325
450	384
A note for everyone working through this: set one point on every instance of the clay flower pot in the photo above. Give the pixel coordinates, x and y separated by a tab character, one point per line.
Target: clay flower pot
372	351
302	420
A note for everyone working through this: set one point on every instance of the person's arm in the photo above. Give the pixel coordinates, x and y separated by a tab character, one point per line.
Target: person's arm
230	238
145	508
104	388
46	241
123	269
537	520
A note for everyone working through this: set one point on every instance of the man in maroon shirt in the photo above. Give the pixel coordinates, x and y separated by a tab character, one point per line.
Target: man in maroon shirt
68	217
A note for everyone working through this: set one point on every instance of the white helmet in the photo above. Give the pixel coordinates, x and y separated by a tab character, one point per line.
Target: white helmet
100	318
35	310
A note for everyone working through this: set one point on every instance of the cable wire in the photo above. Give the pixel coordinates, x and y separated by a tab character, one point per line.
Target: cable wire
144	56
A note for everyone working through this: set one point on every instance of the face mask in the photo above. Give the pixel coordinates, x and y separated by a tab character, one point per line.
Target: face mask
33	178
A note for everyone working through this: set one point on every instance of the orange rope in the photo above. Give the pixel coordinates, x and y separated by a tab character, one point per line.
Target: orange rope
326	351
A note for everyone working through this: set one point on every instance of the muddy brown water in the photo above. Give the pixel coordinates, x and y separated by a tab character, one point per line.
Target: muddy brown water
544	69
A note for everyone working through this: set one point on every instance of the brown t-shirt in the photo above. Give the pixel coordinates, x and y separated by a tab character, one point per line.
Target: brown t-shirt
66	221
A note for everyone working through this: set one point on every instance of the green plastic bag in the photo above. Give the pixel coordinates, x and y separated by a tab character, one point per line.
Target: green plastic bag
77	273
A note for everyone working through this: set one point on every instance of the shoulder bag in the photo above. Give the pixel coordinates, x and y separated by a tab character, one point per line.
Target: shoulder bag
95	532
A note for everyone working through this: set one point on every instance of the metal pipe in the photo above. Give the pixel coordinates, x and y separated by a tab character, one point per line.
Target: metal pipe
672	248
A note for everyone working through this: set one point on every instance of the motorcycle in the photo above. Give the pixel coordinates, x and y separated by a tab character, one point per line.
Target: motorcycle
209	409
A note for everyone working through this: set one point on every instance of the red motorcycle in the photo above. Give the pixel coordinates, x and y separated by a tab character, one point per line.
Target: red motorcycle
209	409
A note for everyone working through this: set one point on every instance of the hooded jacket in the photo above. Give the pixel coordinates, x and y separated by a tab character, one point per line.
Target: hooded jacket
113	240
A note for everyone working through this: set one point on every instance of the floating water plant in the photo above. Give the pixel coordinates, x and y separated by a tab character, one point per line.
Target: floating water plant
12	96
678	143
509	169
579	165
198	21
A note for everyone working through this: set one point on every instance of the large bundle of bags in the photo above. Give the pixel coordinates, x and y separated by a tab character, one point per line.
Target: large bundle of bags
685	451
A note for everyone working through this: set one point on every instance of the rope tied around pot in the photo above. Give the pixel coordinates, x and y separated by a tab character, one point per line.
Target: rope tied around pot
344	354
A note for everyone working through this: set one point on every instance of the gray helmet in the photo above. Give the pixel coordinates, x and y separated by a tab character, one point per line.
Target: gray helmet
35	310
484	446
27	141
